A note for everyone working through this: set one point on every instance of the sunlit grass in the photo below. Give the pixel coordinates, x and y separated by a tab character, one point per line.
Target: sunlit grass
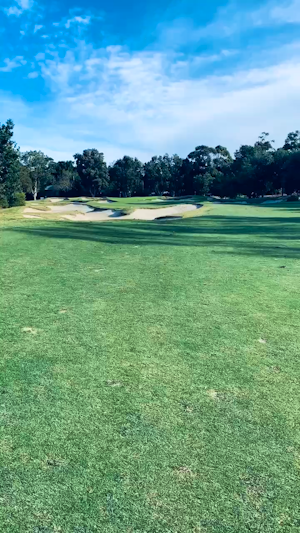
150	374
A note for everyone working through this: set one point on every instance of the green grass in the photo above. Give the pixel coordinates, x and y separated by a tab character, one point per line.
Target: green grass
137	395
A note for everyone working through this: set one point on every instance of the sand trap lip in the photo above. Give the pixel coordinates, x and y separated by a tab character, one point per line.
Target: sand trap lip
153	214
31	216
139	214
55	200
74	206
92	216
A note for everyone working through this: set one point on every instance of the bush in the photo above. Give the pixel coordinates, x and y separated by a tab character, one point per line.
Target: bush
18	199
3	203
293	198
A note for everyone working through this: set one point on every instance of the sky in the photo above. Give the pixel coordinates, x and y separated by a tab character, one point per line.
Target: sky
148	78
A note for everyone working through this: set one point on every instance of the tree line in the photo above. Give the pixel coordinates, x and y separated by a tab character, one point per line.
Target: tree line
253	171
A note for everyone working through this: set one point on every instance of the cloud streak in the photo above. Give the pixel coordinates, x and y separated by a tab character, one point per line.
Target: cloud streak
140	103
11	64
19	7
159	99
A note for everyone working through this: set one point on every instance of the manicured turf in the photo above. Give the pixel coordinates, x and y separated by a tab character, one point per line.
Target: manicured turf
150	374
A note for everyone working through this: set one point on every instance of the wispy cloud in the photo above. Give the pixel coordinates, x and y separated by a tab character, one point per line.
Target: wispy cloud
145	107
78	20
37	27
230	20
19	7
161	99
288	12
11	64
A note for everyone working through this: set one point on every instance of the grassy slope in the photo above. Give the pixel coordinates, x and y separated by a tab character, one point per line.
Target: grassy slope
150	405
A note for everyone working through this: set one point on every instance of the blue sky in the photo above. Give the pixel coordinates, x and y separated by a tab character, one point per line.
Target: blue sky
145	78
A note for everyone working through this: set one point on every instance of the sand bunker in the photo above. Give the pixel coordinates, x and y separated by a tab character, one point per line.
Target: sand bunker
85	213
55	200
153	214
74	206
94	216
138	214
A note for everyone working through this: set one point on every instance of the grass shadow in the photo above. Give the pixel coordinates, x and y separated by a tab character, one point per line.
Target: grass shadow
274	236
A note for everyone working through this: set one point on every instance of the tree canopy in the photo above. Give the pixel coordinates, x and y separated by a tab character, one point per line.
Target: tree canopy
254	170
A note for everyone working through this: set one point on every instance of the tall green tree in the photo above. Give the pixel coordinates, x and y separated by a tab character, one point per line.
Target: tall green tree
176	178
9	165
252	167
292	141
92	171
126	176
65	177
202	159
39	167
158	174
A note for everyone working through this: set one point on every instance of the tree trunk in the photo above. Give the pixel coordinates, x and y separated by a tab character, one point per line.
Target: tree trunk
35	191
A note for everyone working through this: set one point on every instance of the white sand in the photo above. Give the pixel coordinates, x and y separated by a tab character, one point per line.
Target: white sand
70	207
138	214
152	214
93	216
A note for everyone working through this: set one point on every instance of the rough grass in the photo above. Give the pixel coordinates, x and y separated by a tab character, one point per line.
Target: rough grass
150	374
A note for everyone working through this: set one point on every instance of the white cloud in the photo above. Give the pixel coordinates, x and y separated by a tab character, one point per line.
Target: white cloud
75	20
78	20
19	7
231	20
14	10
11	64
33	75
37	27
288	12
139	103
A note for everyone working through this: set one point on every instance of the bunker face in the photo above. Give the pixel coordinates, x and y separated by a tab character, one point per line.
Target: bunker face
74	206
92	216
152	214
84	213
138	214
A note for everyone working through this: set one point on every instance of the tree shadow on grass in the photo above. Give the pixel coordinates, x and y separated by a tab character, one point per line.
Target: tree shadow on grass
223	234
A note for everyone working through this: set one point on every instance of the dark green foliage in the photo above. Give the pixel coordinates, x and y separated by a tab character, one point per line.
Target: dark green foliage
293	198
9	165
3	203
126	177
92	171
292	141
18	199
65	178
256	170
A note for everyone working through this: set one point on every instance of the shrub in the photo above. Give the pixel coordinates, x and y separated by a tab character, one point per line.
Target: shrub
18	199
293	198
3	203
